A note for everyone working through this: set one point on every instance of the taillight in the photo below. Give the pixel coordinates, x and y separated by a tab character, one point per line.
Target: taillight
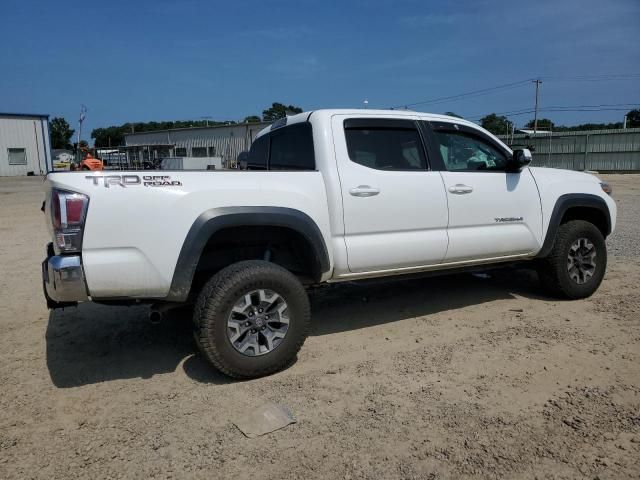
68	212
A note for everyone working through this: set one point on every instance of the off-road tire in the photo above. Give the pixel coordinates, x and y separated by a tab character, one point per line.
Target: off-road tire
213	307
553	271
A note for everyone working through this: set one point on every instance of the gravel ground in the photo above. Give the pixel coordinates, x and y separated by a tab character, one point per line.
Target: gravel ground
451	377
624	241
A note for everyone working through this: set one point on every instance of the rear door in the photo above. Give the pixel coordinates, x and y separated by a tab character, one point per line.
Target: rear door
395	207
492	213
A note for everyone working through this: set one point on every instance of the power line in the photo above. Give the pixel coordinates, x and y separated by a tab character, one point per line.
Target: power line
509	86
480	92
593	78
510	112
564	108
558	107
586	109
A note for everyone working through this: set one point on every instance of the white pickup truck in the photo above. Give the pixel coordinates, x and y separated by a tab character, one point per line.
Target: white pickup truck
327	196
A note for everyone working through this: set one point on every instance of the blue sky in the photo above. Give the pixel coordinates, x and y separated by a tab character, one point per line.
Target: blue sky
168	60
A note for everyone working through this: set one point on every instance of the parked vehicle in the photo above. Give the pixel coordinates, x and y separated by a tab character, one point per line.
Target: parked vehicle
62	159
328	196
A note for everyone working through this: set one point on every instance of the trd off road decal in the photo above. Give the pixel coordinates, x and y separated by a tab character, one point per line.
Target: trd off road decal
159	181
132	180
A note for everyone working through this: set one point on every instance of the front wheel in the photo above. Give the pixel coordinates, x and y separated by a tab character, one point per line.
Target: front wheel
251	319
577	262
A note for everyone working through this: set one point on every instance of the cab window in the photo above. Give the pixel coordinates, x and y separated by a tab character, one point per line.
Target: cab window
463	152
386	145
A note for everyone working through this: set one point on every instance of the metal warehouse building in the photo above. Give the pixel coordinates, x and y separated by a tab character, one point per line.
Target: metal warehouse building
602	150
221	141
24	144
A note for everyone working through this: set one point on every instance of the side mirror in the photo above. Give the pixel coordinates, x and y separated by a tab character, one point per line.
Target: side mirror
520	159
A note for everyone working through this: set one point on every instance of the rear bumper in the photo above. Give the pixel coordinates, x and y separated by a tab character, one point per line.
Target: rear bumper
63	279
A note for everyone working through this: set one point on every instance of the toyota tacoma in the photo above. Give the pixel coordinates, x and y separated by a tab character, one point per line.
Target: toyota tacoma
324	196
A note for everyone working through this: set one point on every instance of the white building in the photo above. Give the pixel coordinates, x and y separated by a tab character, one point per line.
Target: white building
25	146
220	142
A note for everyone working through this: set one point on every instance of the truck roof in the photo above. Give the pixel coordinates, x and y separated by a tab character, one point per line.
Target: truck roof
329	112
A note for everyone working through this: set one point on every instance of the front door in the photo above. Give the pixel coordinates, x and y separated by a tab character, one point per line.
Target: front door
492	213
395	207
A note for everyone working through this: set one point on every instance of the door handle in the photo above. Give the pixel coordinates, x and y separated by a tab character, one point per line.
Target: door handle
460	189
364	191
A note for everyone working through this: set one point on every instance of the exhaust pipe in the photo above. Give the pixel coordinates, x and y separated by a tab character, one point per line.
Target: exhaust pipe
158	312
155	316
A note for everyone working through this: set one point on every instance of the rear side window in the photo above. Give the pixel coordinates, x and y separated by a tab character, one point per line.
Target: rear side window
258	154
292	148
287	148
385	145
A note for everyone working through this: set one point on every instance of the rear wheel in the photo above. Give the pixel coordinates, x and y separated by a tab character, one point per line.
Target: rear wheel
577	263
251	319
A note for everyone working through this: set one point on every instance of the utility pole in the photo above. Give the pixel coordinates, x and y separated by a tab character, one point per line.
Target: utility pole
624	125
83	114
535	115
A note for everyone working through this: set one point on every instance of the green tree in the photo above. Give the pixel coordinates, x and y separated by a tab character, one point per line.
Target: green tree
452	114
498	125
110	136
61	133
543	124
633	118
587	126
278	110
252	119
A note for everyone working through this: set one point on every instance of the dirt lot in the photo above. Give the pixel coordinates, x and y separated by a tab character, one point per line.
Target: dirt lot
460	376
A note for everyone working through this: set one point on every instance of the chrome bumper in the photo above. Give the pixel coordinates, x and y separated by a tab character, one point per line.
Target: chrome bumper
63	279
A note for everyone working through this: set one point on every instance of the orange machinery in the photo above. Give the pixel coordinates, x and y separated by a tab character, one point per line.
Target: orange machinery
88	162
